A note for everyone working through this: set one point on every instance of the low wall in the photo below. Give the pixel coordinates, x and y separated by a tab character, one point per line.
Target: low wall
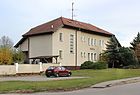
7	69
24	68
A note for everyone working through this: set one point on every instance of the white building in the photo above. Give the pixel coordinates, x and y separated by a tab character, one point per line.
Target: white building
68	41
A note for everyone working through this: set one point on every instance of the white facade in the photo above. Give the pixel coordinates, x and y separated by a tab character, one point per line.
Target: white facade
73	47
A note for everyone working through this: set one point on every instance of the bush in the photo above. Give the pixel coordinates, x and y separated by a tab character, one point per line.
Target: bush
93	65
99	65
86	65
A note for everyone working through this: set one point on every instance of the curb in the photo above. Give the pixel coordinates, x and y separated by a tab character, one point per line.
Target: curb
116	82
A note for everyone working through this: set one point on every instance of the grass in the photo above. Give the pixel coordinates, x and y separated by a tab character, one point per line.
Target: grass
94	76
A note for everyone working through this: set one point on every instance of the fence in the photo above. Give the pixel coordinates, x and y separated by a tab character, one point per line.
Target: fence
24	68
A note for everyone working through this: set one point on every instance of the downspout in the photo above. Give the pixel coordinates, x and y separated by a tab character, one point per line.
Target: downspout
75	49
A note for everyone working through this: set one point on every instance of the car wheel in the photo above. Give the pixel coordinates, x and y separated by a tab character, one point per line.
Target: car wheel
69	74
47	75
56	75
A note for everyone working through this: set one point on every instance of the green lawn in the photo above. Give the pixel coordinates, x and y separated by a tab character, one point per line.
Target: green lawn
95	76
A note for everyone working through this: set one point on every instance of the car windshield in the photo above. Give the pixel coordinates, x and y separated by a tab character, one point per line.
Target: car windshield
50	68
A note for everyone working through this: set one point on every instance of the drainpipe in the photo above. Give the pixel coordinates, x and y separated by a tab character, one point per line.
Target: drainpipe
75	49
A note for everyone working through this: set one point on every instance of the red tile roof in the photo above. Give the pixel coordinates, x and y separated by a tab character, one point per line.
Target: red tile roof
52	26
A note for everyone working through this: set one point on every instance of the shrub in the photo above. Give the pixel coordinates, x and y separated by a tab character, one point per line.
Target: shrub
93	65
86	65
99	65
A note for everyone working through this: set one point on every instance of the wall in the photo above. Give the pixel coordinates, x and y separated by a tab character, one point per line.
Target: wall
84	47
40	45
7	69
24	68
24	45
68	59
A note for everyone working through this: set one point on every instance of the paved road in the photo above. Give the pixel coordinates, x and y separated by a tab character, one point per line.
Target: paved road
127	89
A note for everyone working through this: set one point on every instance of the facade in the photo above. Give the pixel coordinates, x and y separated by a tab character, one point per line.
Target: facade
63	40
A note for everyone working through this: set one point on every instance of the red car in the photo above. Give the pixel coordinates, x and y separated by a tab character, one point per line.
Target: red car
57	71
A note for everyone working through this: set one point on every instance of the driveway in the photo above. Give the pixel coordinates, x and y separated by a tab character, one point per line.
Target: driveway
34	78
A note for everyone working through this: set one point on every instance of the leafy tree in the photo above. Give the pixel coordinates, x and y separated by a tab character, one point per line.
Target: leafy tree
127	57
112	53
5	56
18	56
6	50
135	41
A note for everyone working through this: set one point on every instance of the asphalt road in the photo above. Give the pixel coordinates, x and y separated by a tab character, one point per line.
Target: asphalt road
127	89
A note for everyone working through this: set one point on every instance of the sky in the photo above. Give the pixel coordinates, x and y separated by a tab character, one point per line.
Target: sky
120	17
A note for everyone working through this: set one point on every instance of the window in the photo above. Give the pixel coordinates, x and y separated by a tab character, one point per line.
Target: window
92	56
95	56
61	37
71	43
100	42
88	56
92	42
103	43
84	55
89	42
60	54
95	42
82	38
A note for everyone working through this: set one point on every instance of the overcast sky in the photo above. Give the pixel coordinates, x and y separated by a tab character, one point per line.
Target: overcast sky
120	17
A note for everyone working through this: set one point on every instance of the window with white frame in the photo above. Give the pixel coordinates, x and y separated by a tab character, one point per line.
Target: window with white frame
60	54
91	56
95	56
71	43
100	42
61	37
103	43
89	43
84	55
92	41
95	42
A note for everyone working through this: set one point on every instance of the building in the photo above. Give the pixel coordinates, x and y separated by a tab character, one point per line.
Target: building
64	40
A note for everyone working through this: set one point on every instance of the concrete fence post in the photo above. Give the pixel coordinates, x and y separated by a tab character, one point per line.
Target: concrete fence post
41	66
60	64
17	67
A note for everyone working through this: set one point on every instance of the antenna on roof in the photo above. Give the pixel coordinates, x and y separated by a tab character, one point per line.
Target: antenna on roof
72	10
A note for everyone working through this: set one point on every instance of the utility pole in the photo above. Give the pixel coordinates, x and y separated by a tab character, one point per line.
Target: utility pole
72	10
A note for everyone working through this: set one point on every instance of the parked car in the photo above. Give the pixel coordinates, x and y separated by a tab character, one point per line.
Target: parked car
57	71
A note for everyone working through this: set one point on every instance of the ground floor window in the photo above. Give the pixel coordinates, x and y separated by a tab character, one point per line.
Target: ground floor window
60	54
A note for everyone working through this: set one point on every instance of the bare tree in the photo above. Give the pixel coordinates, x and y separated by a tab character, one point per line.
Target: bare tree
6	42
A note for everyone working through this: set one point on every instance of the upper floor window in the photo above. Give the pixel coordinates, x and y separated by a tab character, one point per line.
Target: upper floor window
103	43
95	42
92	42
100	42
61	37
71	43
89	41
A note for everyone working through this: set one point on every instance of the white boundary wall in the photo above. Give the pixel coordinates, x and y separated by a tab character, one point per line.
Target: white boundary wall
25	68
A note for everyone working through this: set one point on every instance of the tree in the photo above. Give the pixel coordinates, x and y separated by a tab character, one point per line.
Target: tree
127	57
6	50
18	56
135	42
112	53
5	56
6	42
